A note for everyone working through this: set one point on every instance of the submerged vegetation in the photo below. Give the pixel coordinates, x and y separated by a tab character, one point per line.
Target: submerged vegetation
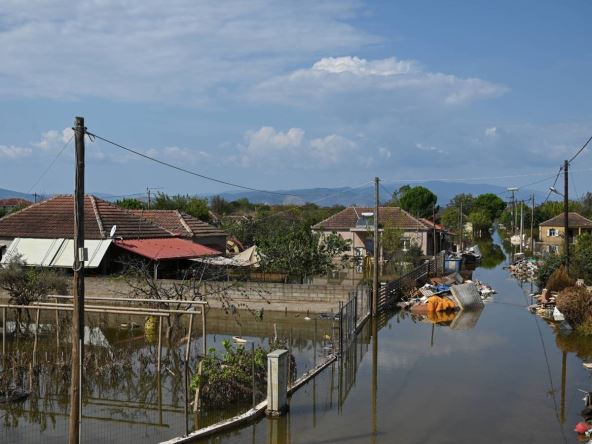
229	378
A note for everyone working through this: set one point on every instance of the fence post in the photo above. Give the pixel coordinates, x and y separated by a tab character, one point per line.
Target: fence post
340	327
277	382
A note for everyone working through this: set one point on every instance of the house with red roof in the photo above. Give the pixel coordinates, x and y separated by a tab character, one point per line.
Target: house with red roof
42	235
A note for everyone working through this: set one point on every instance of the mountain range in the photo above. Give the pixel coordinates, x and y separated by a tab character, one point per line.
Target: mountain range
361	196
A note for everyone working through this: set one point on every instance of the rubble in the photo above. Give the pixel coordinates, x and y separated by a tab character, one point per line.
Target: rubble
524	269
440	299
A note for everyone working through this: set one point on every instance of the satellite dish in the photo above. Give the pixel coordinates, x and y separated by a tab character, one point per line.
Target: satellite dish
112	233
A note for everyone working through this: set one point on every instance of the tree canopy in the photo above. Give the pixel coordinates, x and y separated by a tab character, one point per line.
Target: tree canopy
490	203
418	200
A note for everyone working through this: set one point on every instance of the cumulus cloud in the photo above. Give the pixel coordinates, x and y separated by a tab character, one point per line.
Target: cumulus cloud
392	77
53	139
491	132
268	146
175	51
14	152
384	152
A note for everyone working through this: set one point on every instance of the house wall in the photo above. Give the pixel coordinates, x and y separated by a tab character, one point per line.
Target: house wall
559	238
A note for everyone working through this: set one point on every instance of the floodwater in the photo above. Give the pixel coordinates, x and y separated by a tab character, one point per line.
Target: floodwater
125	398
499	376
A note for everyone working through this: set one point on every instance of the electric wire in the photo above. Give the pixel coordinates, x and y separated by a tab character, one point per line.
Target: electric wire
554	183
580	150
51	164
185	170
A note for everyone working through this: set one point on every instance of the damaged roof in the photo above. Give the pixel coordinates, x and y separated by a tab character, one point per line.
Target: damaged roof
180	223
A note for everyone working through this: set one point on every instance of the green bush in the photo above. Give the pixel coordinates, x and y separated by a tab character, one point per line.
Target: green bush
559	280
550	264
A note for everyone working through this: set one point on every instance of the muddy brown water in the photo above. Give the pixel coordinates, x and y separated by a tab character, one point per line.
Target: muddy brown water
498	376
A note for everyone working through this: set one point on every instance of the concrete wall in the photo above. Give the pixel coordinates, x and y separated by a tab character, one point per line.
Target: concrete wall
270	296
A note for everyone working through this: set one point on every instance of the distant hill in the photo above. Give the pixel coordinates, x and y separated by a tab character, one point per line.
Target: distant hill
9	194
365	196
342	195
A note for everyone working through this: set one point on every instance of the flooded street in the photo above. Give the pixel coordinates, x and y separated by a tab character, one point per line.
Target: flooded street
499	375
504	380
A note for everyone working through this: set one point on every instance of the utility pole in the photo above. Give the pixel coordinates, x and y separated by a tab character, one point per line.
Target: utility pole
434	222
566	211
375	269
78	288
35	196
521	224
532	226
460	227
148	191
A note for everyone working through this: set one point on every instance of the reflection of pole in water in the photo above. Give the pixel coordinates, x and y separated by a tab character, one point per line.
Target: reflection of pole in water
433	328
374	375
563	377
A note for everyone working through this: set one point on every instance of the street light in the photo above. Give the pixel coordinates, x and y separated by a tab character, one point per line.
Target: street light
554	190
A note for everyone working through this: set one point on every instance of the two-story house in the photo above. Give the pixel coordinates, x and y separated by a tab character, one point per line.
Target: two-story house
552	233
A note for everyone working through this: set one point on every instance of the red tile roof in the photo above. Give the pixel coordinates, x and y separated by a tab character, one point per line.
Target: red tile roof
347	218
14	202
54	218
163	249
574	220
181	224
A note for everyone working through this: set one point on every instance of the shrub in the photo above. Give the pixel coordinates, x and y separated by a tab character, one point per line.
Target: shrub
550	264
576	305
559	280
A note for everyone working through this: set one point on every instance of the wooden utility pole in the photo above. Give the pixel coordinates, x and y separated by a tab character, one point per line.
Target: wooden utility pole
460	227
521	224
78	288
566	211
376	240
434	222
148	191
532	226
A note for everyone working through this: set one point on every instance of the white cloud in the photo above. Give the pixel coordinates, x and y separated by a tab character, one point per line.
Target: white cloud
491	132
430	148
53	139
14	152
391	77
384	152
268	146
175	51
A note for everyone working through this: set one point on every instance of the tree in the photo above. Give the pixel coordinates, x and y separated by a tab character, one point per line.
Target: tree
582	260
25	284
481	221
466	199
130	204
490	203
292	248
391	239
191	205
450	217
418	200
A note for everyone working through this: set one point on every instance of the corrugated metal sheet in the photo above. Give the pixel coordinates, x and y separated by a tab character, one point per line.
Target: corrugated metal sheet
467	296
55	252
166	249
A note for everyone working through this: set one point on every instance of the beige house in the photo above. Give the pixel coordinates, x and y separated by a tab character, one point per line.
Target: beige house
357	224
552	234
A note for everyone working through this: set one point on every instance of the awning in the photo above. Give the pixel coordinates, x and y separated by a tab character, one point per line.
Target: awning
166	249
55	252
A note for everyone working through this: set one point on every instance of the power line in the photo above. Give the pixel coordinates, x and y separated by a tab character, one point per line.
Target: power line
554	183
580	150
51	164
184	170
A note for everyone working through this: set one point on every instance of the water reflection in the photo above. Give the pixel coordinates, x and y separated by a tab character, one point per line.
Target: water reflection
123	386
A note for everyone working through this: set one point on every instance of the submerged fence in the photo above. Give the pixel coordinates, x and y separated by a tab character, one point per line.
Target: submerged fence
354	313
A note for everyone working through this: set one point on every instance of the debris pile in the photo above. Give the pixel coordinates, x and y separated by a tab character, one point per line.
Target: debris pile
545	306
524	269
442	296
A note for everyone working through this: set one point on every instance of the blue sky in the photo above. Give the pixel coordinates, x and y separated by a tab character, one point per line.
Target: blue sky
279	95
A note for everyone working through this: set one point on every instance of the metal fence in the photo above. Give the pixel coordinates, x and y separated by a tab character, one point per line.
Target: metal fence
353	314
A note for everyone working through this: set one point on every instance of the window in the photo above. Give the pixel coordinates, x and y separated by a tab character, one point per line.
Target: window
552	232
553	249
